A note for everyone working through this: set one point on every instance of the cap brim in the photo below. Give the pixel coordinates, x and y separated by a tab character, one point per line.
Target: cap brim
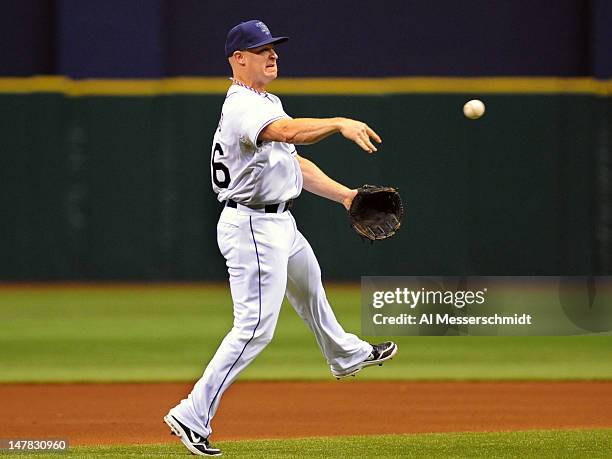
272	40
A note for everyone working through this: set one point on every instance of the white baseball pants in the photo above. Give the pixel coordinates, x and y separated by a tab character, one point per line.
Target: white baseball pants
267	258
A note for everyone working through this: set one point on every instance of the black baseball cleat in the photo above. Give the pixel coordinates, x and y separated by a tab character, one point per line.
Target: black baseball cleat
196	443
380	353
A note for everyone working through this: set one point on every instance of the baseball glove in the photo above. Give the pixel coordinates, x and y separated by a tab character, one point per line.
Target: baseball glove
376	212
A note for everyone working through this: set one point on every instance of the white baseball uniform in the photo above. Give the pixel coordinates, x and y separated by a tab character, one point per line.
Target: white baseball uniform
266	256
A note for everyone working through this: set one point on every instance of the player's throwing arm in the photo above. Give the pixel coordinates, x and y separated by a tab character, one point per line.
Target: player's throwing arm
305	131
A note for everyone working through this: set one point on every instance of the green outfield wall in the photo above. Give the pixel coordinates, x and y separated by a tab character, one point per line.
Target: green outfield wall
107	186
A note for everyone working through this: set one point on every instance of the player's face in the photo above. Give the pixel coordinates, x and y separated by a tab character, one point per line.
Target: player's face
262	62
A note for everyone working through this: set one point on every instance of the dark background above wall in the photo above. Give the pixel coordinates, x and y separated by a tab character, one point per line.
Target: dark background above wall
155	38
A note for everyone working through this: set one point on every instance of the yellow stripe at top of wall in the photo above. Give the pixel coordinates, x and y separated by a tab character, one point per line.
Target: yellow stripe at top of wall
309	86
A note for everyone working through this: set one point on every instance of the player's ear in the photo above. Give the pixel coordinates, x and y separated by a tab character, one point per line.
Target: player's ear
239	57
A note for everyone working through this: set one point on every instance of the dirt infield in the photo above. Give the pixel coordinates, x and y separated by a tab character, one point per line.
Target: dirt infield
131	413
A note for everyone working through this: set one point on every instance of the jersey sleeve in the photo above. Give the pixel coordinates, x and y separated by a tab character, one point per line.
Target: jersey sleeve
258	115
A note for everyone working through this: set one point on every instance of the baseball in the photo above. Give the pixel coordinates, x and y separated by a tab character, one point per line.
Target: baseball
473	109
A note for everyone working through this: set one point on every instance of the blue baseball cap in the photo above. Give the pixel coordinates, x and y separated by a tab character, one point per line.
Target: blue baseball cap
248	35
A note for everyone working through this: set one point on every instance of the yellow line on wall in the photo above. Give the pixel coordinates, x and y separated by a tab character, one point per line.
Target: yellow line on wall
311	86
440	85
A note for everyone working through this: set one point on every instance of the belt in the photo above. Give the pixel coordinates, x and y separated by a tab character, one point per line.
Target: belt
268	208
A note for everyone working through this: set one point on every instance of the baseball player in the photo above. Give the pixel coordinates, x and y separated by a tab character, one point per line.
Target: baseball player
257	172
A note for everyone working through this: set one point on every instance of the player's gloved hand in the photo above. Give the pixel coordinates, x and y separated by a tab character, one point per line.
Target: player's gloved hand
376	212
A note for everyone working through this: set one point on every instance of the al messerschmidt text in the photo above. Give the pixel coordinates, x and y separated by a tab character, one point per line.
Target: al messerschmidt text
449	319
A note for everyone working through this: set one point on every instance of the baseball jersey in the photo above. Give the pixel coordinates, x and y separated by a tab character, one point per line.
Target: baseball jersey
246	170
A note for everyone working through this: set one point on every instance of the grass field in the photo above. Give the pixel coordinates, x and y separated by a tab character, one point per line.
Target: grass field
168	333
536	444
